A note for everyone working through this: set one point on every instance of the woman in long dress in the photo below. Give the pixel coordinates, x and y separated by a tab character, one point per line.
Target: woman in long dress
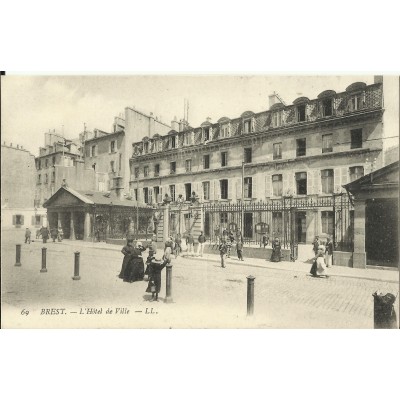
276	251
135	268
127	252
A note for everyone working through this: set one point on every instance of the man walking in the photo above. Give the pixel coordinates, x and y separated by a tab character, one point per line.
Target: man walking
45	234
201	239
189	242
28	236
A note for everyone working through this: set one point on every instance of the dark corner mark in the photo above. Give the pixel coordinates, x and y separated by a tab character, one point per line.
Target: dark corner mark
2	72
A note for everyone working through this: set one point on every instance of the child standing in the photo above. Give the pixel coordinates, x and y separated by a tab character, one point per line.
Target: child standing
157	264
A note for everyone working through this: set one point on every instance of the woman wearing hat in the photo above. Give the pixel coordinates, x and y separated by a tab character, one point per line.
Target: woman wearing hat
135	268
276	251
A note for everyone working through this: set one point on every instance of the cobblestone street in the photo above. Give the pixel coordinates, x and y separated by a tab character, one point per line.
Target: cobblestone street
204	294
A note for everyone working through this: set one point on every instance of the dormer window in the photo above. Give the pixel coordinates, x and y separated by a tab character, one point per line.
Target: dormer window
172	142
206	134
327	107
225	131
188	138
357	101
247	126
301	113
277	119
145	147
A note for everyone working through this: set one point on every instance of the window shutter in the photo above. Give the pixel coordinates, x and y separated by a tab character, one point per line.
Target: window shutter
33	220
230	188
285	183
254	183
336	180
291	187
238	188
201	191
212	190
317	182
310	182
344	176
217	189
268	183
14	219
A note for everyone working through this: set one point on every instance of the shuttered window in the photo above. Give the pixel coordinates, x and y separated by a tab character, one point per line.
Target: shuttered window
327	181
277	185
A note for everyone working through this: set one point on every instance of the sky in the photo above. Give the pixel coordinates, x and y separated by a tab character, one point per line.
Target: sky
33	105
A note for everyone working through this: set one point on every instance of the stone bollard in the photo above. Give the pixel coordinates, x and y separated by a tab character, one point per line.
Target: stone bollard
168	295
76	276
250	295
18	256
44	269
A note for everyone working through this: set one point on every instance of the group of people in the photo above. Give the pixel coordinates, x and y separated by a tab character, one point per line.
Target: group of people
227	242
45	233
323	257
133	268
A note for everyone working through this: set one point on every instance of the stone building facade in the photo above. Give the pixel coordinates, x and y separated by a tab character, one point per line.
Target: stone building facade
305	150
109	153
18	188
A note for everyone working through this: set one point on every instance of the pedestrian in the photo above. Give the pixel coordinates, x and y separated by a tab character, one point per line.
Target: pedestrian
27	235
45	234
318	268
127	252
152	247
38	233
189	242
239	236
265	240
315	245
157	264
60	234
201	239
134	270
217	235
169	243
328	252
276	250
222	252
54	233
239	249
97	234
178	245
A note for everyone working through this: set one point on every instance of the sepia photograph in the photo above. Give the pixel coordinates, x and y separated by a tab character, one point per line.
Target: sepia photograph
200	201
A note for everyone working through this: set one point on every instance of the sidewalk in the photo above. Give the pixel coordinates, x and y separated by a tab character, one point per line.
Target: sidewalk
374	274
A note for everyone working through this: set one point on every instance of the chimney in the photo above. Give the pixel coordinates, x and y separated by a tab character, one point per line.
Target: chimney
152	125
175	125
273	99
378	78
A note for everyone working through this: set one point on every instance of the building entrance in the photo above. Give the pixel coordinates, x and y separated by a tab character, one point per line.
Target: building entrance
381	232
300	226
